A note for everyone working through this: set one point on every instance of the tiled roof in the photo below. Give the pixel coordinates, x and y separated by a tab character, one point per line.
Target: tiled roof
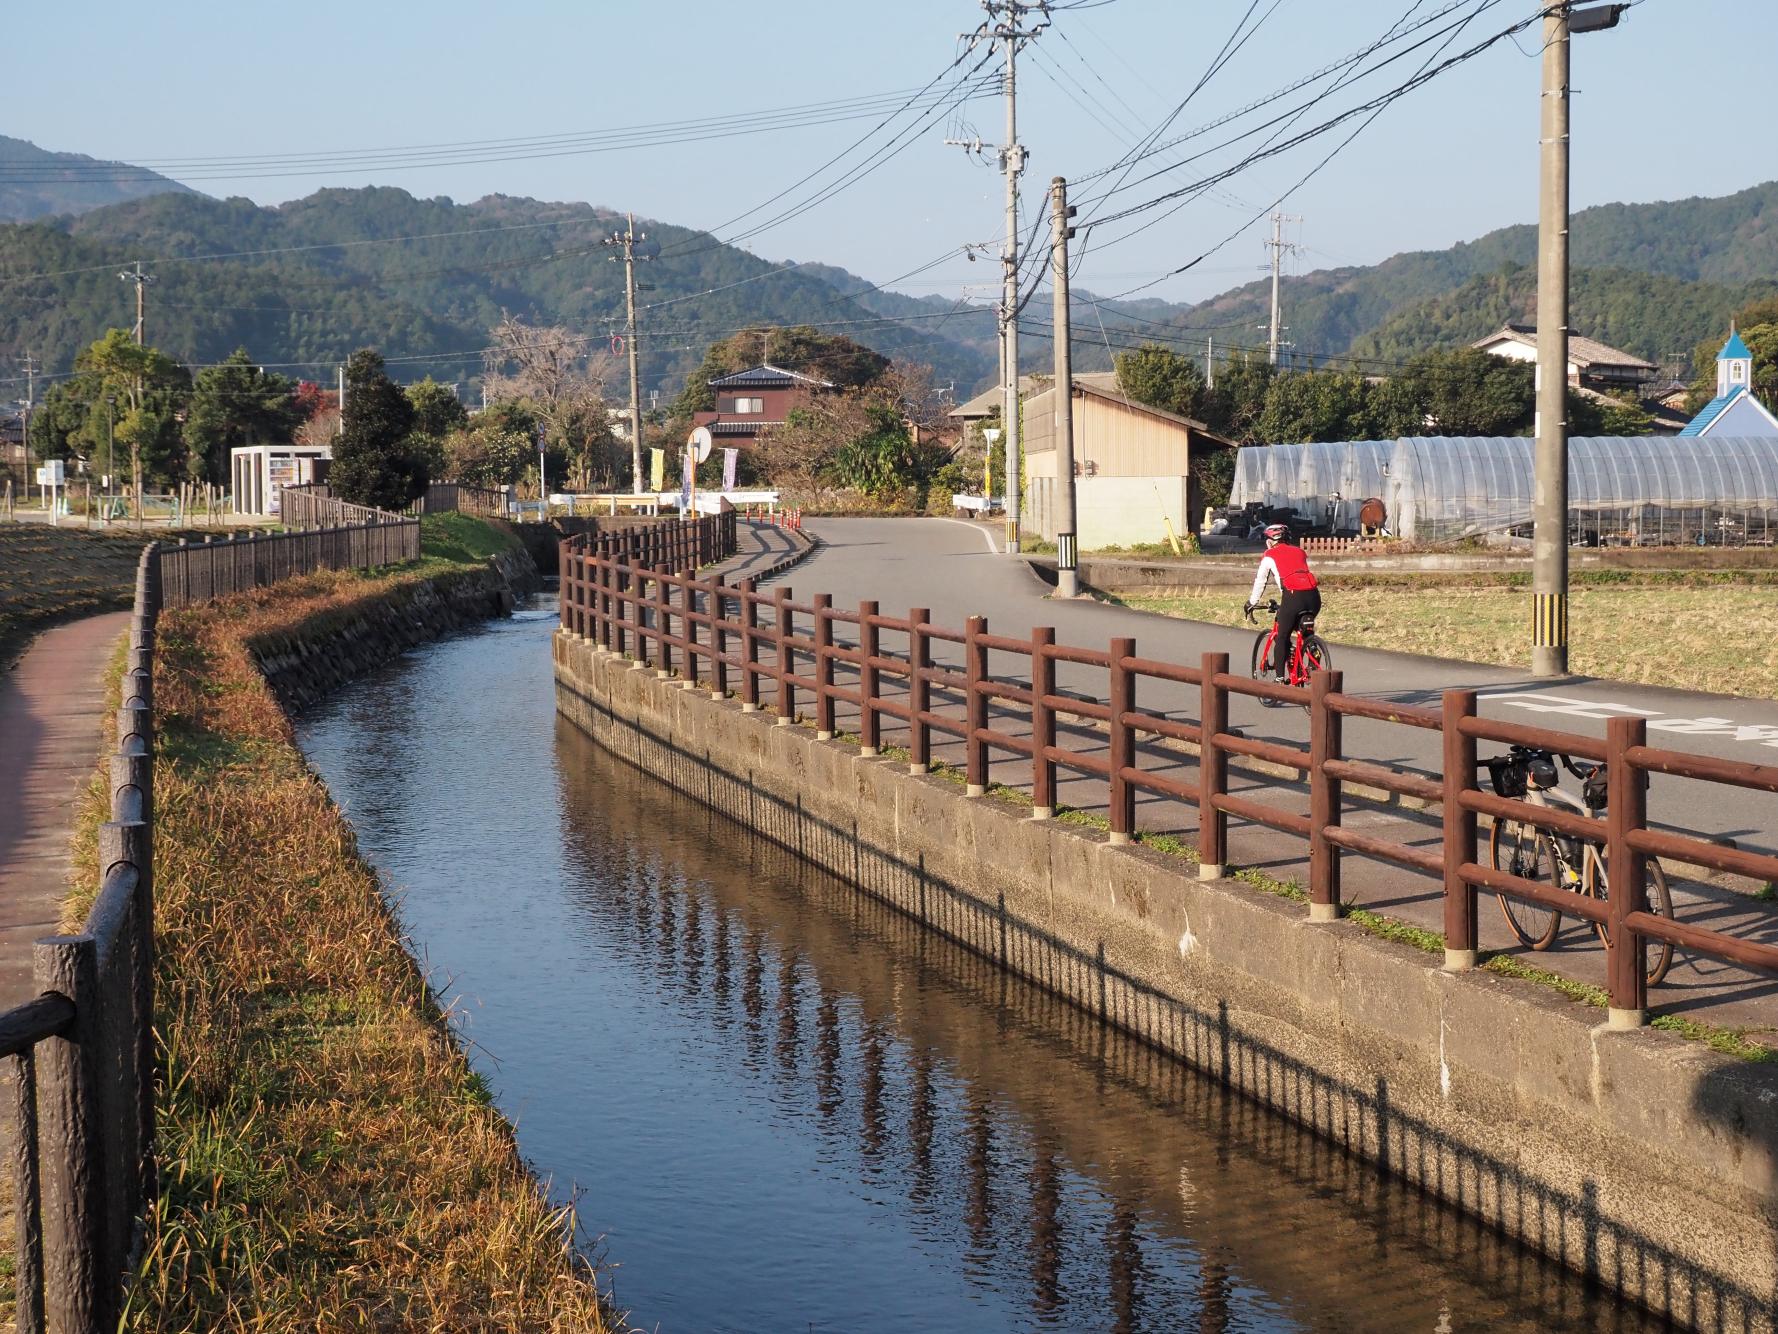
767	377
1583	352
748	427
1711	411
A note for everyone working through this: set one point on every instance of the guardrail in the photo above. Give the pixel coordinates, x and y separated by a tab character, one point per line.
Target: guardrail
83	1051
706	630
213	568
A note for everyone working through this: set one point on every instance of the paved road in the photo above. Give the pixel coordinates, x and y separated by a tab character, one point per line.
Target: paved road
52	706
951	568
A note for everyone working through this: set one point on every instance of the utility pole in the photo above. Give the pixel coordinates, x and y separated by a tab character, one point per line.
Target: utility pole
141	279
1004	19
30	369
628	239
1549	495
1278	246
339	427
1209	361
1067	556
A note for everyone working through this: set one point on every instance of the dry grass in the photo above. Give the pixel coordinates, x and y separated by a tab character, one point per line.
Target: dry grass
1711	637
56	574
329	1160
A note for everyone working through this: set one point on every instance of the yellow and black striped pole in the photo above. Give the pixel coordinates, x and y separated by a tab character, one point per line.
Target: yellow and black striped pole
1549	623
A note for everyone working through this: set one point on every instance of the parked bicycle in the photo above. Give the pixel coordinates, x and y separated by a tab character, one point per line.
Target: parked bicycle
1308	652
1528	774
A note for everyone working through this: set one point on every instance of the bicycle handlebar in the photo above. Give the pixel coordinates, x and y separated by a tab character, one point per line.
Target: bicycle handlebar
1271	606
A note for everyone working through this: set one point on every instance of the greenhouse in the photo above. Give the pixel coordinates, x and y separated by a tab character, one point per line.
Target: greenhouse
1279	486
1335	479
1249	486
1622	490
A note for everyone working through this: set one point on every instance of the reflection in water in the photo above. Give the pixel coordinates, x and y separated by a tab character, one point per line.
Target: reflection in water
786	1107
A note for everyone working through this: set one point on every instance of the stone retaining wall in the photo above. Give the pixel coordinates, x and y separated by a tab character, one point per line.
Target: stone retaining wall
1643	1160
307	664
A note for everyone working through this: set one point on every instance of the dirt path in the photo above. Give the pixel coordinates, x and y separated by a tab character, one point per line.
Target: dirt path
51	706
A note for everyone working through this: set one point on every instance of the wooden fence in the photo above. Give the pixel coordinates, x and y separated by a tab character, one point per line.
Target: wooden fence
735	637
197	572
83	1051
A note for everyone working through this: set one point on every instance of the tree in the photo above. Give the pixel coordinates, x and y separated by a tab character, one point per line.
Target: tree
1233	406
1161	378
437	409
1317	405
488	452
233	405
373	461
549	370
1457	391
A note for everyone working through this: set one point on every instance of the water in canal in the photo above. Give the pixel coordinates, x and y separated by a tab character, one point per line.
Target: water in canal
782	1107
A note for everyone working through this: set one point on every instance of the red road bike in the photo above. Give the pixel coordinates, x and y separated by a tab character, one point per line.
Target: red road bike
1308	653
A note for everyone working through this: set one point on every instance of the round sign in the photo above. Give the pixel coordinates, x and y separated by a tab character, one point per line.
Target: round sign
700	443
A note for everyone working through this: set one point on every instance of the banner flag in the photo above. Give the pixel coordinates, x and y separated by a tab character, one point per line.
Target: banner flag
728	468
687	477
657	468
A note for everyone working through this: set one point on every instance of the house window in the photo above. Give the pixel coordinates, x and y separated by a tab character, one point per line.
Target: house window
1735	370
750	406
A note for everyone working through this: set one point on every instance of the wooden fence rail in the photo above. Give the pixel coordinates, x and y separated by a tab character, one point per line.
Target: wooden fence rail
649	604
197	572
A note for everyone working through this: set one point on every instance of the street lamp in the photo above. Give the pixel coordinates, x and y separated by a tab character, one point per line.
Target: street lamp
1549	496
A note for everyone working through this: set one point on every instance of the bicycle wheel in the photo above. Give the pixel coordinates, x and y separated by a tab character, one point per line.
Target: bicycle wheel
1524	851
1317	657
1658	958
1261	667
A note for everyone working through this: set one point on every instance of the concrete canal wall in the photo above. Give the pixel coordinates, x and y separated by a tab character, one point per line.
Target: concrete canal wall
1644	1160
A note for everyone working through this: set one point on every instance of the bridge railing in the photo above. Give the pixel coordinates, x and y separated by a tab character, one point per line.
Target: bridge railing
1124	721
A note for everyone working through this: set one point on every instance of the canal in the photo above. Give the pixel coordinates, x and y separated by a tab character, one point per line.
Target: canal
780	1106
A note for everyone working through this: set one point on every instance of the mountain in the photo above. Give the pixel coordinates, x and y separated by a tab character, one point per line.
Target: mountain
1712	249
303	284
37	183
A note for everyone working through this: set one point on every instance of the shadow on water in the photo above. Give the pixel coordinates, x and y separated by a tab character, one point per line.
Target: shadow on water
789	1107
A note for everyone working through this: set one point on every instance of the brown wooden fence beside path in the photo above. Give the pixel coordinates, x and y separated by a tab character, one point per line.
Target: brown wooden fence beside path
313	504
197	572
736	638
83	1051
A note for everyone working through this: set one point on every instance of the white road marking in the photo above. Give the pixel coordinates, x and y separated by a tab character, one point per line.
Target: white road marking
1539	702
986	535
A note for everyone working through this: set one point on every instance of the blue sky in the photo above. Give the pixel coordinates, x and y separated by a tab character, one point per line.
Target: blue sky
1659	108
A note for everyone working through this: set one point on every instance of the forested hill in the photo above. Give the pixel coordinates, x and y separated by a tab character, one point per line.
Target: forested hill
1711	250
38	183
321	276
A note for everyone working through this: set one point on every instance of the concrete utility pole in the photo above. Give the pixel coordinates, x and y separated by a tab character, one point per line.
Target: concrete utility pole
1549	496
339	427
141	279
30	369
1278	246
1209	361
627	239
1067	557
1004	18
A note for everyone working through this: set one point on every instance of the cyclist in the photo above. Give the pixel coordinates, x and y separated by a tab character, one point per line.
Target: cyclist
1300	591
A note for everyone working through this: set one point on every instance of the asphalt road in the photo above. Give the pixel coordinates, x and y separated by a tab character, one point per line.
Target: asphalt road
951	568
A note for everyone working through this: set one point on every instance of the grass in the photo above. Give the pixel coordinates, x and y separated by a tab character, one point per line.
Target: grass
58	574
328	1158
462	540
1622	627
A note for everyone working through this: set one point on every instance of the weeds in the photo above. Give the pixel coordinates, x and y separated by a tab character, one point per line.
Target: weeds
328	1159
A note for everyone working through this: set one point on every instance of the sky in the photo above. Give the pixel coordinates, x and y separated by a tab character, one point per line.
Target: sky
1654	113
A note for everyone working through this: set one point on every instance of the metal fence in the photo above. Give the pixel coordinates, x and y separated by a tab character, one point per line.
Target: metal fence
197	572
737	637
83	1051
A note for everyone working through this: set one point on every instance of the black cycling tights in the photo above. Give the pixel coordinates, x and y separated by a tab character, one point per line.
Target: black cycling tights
1290	607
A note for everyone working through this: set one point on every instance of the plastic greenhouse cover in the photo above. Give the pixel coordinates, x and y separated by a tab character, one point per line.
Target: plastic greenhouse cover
1281	464
1443	488
1249	486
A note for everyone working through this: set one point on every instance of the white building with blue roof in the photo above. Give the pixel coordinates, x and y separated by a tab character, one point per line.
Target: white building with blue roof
1734	411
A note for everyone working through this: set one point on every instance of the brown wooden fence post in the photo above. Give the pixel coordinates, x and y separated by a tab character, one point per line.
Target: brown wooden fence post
1122	749
1324	799
783	628
663	623
975	707
1461	946
1043	723
870	721
1626	809
77	1273
749	613
919	659
1213	767
688	592
823	667
719	638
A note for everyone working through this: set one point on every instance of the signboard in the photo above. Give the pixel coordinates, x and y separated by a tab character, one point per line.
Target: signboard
699	442
51	473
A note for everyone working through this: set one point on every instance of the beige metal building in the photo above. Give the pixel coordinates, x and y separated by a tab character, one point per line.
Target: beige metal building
1133	466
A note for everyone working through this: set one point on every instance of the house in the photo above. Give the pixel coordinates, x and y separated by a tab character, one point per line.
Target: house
1135	466
1734	411
752	401
1591	364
